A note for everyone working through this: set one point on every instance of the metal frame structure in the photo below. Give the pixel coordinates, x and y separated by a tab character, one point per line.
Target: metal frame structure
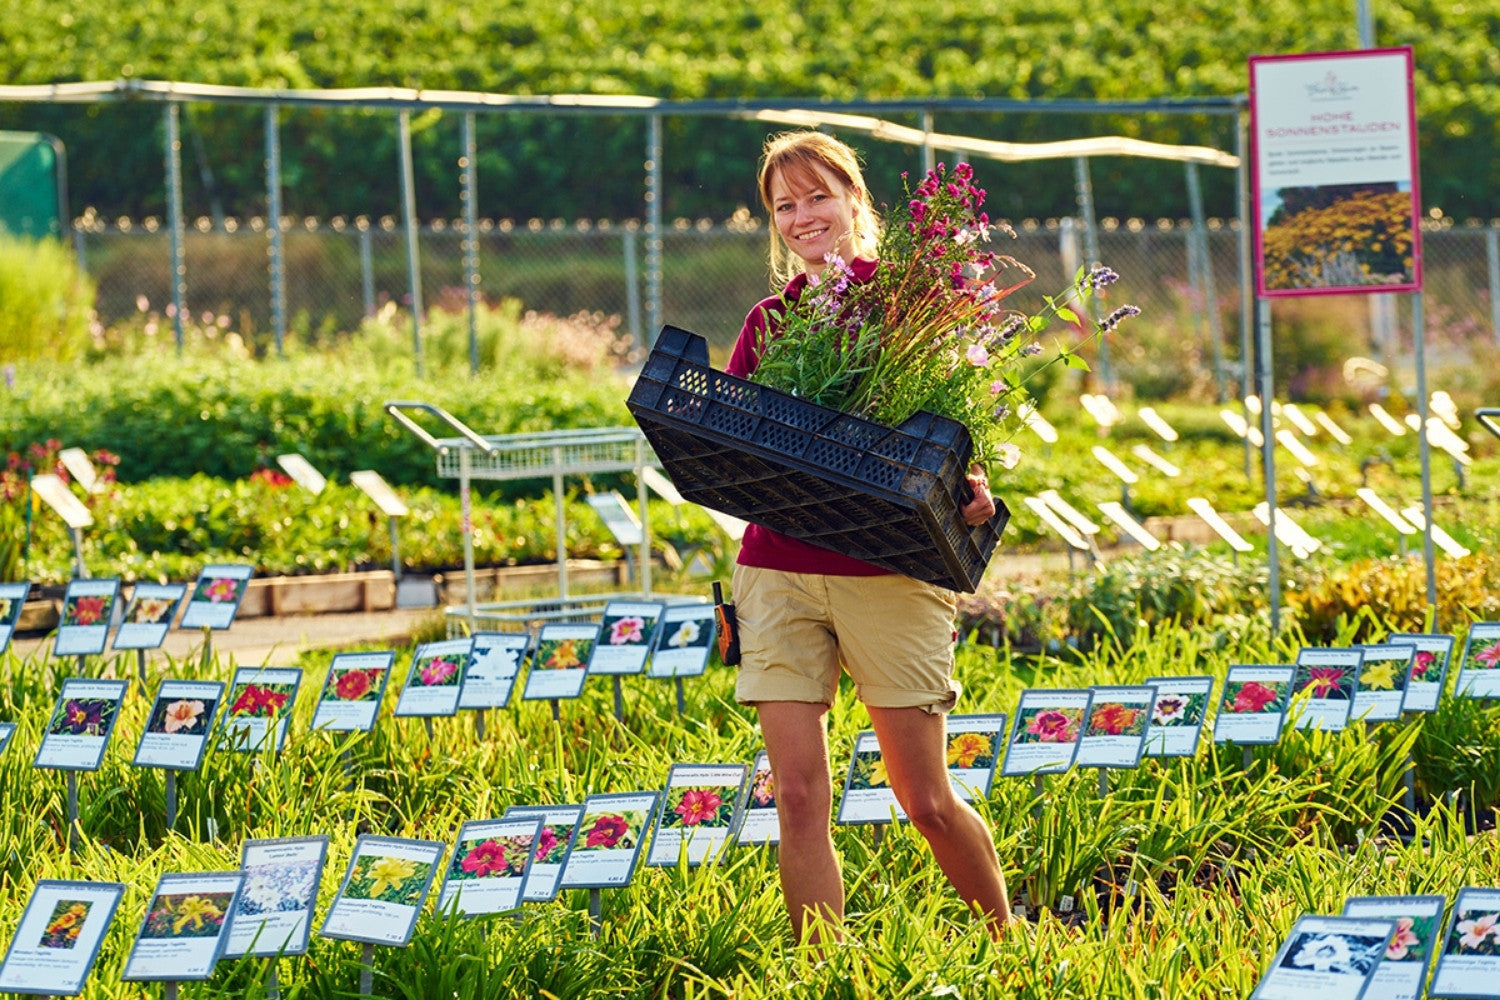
543	454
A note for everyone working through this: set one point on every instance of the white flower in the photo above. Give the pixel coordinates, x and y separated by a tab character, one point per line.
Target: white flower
686	635
1324	954
1008	455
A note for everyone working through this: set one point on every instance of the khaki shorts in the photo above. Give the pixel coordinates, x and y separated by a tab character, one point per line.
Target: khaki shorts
892	633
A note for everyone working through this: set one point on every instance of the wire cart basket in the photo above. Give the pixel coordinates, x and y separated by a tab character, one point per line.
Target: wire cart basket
545	454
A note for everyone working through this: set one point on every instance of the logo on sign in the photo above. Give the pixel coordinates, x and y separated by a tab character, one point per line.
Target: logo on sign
1329	88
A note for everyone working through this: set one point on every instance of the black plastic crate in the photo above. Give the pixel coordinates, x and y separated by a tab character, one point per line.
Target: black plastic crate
889	496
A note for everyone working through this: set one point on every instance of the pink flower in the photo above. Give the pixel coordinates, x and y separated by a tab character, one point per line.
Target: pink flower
1422	663
1253	697
1053	726
1401	941
1324	681
1474	931
181	715
484	859
437	671
698	806
978	356
220	590
546	843
627	630
607	831
1489	657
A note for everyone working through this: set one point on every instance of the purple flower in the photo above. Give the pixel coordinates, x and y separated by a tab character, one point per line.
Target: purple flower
1113	319
1032	349
1099	277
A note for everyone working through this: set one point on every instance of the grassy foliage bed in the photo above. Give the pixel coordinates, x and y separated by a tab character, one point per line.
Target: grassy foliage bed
1183	878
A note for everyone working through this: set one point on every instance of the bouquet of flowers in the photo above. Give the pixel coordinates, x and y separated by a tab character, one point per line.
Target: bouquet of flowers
931	330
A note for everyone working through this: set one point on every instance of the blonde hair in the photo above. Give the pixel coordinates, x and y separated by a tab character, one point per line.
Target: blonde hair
815	154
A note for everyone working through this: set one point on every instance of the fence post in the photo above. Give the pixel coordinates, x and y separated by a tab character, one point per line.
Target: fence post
929	158
366	266
1085	191
632	287
1492	254
1206	277
653	225
469	167
409	217
174	218
273	229
1247	277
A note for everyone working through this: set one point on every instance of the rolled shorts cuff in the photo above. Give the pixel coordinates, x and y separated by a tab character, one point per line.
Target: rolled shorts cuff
931	702
754	686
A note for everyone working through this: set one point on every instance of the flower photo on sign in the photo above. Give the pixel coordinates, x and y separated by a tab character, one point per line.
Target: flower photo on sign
1383	675
562	654
93	609
83	717
1335	954
701	806
149	610
1475	932
610	831
552	843
181	716
762	791
868	771
932	329
1048	725
388	879
219	590
278	887
687	635
1411	940
258	700
444	670
10	609
971	750
1421	663
353	684
1325	682
186	915
1177	710
1484	654
66	923
1254	698
627	630
490	857
1111	718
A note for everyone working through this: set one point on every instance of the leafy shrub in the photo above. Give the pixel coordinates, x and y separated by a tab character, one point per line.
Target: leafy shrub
45	303
1397	587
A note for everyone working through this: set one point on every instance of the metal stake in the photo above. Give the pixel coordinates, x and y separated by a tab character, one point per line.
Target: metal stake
366	969
140	662
273	986
73	831
479	723
619	699
171	799
681	696
596	912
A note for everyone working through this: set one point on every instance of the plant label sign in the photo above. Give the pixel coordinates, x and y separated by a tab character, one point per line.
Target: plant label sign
1177	715
1383	676
1115	733
1323	690
559	664
260	707
974	743
698	813
1253	707
1044	737
1429	669
435	679
351	693
12	602
275	909
1468	963
7	730
88	608
216	596
148	615
80	726
1331	958
626	631
683	641
488	868
609	840
868	797
383	890
554	842
1419	922
759	821
183	931
494	665
57	941
1479	667
1337	207
177	729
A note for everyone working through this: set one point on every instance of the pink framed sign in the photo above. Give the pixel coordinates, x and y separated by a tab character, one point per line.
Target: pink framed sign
1337	206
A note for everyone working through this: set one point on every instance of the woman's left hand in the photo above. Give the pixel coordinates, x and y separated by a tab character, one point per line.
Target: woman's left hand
982	507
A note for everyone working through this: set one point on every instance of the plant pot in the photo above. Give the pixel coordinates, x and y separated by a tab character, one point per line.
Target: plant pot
888	496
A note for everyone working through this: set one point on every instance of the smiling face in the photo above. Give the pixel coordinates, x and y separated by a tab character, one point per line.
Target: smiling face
813	212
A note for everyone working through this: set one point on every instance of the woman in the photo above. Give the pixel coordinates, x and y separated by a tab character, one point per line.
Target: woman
804	611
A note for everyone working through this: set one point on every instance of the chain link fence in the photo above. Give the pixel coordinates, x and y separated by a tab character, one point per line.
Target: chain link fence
339	272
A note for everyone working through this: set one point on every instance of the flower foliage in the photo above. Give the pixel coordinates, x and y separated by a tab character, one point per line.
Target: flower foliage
931	330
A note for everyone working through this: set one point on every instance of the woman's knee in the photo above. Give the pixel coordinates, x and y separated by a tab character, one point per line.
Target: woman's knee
804	799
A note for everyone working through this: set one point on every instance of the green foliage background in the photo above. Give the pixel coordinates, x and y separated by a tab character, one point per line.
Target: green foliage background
339	162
